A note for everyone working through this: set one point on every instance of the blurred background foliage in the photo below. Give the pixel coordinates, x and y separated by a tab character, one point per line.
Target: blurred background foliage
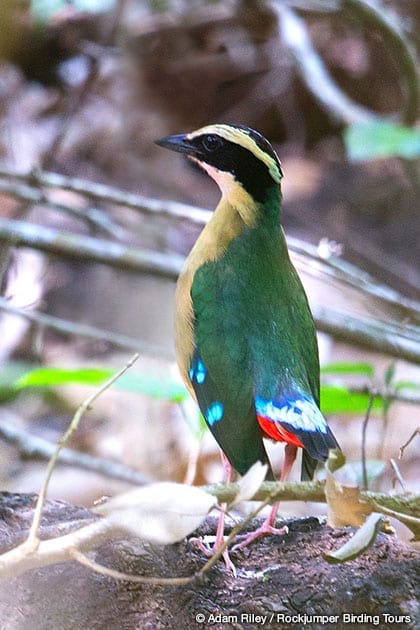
88	274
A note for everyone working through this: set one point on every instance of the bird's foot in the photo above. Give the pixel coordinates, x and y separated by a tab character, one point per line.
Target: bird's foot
266	529
209	550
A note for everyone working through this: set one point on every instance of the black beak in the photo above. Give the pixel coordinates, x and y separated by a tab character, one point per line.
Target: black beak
179	143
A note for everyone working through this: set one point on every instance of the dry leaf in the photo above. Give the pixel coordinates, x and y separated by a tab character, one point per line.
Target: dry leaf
360	542
345	506
250	483
162	513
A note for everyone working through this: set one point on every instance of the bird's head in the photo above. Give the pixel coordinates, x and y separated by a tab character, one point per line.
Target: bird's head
238	158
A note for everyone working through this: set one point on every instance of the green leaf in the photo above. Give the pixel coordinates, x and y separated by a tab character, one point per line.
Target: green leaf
339	399
153	387
379	139
9	373
399	385
53	376
364	538
149	386
389	373
344	367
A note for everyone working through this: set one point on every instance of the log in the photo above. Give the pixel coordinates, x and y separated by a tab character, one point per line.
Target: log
281	582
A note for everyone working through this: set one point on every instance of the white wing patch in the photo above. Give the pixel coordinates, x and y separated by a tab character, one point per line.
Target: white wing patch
302	414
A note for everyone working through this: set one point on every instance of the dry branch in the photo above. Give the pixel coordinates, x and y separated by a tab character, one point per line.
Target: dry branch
84	331
318	80
389	338
36	447
78	247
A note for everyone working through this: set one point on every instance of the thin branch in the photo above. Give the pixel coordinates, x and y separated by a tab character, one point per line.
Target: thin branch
85	331
408	442
70	245
397	473
32	541
74	545
385	394
412	522
46	552
36	447
34	196
127	577
314	491
331	266
107	194
383	22
313	71
372	395
368	333
277	490
316	76
307	258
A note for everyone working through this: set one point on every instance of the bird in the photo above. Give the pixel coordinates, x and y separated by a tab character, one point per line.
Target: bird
245	339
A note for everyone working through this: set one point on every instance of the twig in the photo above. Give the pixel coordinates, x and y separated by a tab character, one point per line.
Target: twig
83	330
32	541
94	219
175	581
389	338
108	194
385	24
368	333
412	522
389	395
313	71
314	491
408	442
404	507
333	266
70	245
307	258
318	80
36	447
127	577
372	395
21	558
397	473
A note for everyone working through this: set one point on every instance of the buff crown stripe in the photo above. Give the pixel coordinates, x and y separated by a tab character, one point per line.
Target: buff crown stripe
241	137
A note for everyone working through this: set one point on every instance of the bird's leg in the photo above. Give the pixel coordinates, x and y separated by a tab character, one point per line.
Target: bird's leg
219	540
268	527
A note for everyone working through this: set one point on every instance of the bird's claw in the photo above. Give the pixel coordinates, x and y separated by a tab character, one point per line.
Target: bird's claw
209	551
265	530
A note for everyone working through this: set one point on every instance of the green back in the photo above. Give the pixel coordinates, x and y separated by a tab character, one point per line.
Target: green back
254	332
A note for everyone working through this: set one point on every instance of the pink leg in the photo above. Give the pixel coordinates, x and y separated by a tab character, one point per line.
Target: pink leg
219	540
268	526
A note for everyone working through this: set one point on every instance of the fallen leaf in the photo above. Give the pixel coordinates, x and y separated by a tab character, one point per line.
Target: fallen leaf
250	483
345	506
161	513
362	540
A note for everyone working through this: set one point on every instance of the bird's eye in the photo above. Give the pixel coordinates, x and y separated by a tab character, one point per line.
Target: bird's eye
211	143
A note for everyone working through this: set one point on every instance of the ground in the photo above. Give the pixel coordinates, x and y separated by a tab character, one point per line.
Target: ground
281	582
